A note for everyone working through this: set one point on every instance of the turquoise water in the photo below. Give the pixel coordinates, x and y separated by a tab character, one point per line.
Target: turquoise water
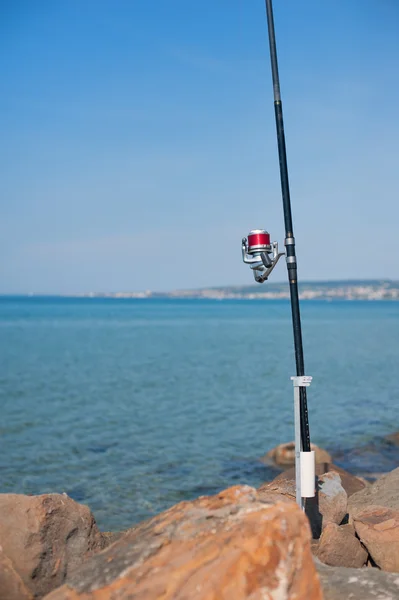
133	405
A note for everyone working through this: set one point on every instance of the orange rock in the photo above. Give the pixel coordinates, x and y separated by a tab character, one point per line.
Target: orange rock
11	585
383	492
230	546
284	455
46	537
378	529
393	438
281	485
339	547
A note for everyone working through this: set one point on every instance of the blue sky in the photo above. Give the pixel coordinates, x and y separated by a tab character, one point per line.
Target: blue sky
138	141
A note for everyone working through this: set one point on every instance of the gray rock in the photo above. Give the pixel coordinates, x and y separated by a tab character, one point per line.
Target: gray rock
340	583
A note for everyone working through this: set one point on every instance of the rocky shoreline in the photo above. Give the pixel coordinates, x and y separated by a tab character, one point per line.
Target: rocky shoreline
242	543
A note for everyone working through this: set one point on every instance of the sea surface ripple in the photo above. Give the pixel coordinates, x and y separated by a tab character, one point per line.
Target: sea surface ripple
130	406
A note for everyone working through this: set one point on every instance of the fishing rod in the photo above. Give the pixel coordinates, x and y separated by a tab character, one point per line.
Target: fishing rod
262	256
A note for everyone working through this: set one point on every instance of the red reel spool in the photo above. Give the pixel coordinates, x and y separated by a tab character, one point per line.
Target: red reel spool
258	241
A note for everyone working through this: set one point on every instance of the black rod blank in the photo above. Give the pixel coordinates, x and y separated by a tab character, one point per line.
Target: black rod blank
289	233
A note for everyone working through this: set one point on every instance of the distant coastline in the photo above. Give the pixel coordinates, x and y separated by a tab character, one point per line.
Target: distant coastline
373	290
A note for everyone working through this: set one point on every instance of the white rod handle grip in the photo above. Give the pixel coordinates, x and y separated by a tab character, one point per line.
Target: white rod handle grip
308	479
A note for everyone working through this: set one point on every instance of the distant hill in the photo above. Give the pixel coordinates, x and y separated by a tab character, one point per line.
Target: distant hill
351	289
379	289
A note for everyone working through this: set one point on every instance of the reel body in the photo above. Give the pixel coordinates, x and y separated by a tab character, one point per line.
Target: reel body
260	254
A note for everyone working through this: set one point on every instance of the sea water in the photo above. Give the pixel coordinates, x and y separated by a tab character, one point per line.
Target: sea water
130	405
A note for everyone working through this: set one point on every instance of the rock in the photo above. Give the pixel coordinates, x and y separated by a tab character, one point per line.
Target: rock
383	492
284	455
378	529
230	546
314	546
271	497
280	486
350	483
332	498
339	547
109	537
11	585
393	438
46	537
371	477
340	583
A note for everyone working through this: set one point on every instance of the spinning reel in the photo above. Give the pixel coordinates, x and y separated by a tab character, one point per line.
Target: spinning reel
261	255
